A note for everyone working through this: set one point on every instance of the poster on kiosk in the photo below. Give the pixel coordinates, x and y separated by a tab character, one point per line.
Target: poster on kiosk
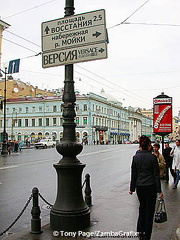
162	115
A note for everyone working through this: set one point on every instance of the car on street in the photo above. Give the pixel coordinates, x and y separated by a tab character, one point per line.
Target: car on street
45	143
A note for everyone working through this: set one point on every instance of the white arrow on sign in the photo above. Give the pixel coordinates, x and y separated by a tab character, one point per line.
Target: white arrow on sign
74	55
13	67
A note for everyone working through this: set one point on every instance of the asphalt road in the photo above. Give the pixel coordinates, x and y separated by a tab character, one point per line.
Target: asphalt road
108	166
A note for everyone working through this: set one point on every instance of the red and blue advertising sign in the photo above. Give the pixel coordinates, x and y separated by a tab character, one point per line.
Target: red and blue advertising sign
162	115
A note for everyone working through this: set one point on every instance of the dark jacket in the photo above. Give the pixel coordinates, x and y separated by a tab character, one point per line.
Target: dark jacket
145	171
167	157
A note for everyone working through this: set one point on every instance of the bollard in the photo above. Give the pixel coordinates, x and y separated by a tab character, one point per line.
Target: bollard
35	212
88	198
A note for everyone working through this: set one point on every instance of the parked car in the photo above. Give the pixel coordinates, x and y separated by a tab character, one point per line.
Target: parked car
44	143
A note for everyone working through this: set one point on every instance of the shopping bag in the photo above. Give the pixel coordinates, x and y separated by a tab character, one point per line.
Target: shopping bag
161	214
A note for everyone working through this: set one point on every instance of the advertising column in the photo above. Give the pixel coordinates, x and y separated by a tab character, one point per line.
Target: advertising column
162	115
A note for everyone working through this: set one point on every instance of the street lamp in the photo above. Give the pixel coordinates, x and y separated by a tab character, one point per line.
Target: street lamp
4	150
13	122
119	115
69	212
110	113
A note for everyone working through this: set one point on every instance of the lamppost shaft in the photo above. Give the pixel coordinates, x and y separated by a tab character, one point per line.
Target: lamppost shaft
69	212
5	103
4	144
69	8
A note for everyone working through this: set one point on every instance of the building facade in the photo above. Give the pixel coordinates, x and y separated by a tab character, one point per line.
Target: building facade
19	89
98	120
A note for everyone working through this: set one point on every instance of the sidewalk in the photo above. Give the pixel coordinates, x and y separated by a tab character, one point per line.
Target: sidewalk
115	211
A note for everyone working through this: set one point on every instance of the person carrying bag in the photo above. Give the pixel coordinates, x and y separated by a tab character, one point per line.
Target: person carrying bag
145	180
161	214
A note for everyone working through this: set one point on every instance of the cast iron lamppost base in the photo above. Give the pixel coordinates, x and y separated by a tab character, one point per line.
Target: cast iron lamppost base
69	213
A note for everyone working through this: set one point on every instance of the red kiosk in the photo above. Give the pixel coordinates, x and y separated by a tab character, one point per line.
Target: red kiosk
162	115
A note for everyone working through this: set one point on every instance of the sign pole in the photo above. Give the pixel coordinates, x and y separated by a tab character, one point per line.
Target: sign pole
69	213
4	150
162	144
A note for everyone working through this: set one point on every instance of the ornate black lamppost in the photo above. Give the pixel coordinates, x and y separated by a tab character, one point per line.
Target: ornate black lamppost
69	213
4	150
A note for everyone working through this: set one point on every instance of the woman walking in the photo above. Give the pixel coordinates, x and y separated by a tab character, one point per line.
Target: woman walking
145	179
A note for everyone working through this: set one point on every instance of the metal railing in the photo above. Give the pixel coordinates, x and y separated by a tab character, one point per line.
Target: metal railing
36	212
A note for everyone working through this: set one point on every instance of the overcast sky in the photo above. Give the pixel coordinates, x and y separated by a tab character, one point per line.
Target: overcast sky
143	56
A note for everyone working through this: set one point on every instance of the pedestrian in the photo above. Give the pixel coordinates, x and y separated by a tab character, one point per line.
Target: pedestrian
20	144
16	146
12	145
145	179
175	153
9	147
168	160
177	170
28	143
161	160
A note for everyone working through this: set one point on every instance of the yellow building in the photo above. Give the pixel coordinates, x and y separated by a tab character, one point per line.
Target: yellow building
19	89
147	112
175	129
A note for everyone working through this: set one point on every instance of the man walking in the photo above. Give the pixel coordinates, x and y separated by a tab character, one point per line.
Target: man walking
175	153
168	160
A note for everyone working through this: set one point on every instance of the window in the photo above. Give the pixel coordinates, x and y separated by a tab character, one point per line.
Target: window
33	122
84	120
19	123
20	110
0	123
77	107
96	121
33	109
54	122
26	122
26	109
47	121
40	109
54	108
47	108
102	122
40	122
77	120
85	107
13	122
61	107
61	121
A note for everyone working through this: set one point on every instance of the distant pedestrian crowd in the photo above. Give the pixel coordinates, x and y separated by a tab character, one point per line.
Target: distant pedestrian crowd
14	146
